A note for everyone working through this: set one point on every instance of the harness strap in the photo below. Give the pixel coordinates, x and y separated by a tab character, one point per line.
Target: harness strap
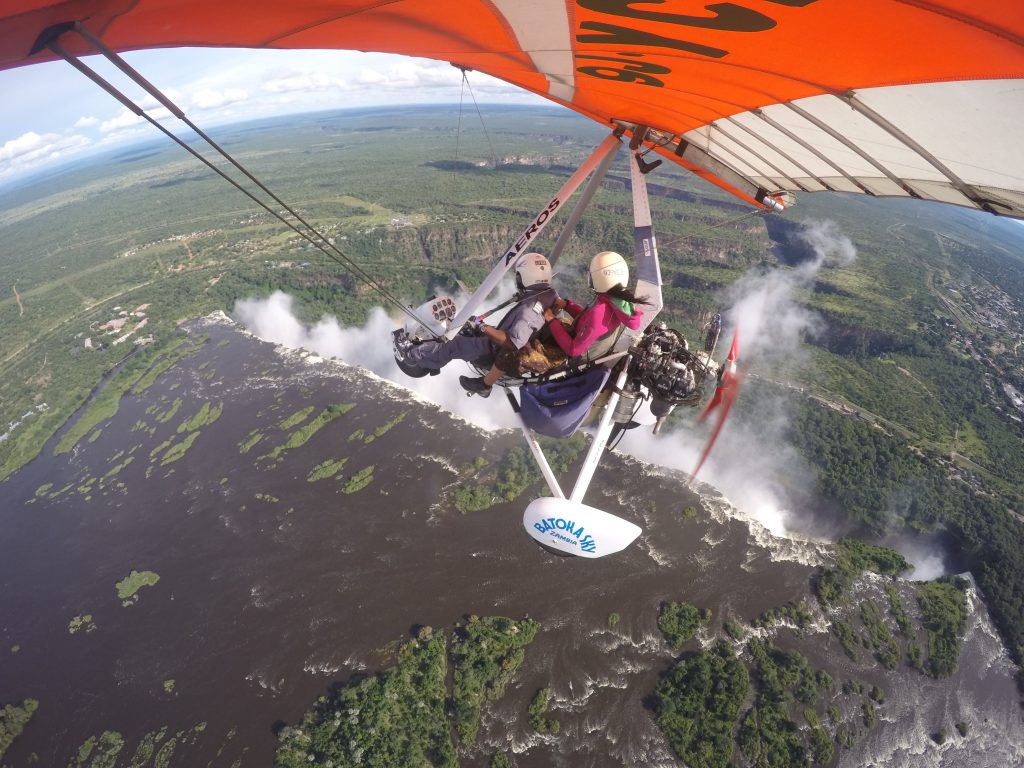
517	298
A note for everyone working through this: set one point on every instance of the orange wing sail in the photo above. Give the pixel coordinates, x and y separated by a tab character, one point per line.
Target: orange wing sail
907	99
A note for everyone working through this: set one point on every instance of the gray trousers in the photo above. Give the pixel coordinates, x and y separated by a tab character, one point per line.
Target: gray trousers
434	355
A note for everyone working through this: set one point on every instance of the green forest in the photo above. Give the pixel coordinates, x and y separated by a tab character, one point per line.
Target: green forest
13	719
405	715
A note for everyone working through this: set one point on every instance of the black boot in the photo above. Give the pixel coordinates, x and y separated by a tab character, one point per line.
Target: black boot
475	386
402	344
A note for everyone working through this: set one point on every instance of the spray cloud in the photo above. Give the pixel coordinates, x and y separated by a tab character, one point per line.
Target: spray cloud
752	463
273	319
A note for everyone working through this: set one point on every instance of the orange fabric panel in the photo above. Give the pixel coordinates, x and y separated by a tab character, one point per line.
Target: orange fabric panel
22	21
672	64
789	52
816	41
676	65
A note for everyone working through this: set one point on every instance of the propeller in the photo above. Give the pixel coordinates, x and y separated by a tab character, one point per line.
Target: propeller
726	392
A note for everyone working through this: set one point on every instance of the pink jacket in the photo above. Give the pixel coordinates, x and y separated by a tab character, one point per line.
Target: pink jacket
591	324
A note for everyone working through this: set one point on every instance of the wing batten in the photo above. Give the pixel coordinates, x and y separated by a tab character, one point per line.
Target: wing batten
847	145
787	150
778	178
838	184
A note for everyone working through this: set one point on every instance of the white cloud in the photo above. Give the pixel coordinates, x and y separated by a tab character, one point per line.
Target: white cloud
125	119
153	106
223	86
23	145
371	77
26	145
31	149
409	76
125	135
209	98
305	82
421	74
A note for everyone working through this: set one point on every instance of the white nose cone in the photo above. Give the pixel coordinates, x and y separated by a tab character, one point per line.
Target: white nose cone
577	529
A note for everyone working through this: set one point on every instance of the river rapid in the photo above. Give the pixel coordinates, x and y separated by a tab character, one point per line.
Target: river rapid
273	587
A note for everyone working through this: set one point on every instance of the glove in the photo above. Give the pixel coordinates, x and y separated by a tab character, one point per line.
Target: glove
474	325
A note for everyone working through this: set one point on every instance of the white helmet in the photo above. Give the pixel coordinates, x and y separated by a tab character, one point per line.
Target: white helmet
608	269
531	269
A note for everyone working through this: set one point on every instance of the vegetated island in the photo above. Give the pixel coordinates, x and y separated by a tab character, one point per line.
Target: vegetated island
128	587
158	745
679	622
13	719
399	717
81	623
537	710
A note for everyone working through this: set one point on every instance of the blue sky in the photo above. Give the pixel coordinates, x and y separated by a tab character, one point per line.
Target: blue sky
53	113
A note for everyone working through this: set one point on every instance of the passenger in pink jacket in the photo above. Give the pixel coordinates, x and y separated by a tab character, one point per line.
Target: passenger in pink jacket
615	305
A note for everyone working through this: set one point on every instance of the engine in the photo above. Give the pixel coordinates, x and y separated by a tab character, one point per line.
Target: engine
673	375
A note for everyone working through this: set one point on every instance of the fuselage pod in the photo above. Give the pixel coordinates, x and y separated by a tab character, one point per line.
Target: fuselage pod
577	529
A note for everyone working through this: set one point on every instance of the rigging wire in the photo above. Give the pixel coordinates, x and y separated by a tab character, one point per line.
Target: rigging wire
494	156
699	232
464	86
458	135
317	239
